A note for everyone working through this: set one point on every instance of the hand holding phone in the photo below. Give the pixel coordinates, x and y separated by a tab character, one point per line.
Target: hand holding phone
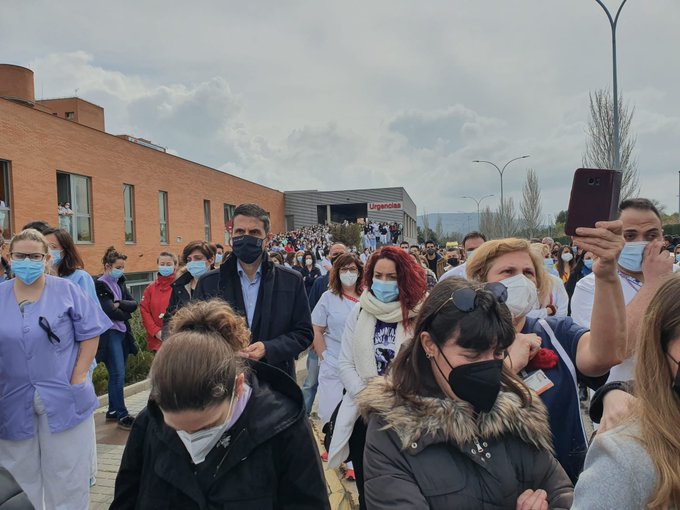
594	197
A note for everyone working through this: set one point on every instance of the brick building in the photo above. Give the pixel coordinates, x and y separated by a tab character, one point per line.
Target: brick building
120	190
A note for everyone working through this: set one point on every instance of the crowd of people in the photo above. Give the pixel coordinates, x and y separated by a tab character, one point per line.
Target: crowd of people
444	377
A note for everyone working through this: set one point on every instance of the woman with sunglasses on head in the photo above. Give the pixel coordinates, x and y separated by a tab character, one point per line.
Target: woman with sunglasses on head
637	465
376	329
219	431
116	343
553	355
451	426
49	333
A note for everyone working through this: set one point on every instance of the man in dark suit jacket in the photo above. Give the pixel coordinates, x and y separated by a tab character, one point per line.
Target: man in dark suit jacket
271	297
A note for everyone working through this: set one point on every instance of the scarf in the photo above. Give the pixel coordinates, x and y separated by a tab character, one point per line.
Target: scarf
372	310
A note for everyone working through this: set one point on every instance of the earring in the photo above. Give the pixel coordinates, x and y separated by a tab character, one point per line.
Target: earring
428	355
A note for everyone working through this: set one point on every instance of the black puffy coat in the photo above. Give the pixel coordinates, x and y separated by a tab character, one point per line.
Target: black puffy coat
282	320
178	297
438	455
270	460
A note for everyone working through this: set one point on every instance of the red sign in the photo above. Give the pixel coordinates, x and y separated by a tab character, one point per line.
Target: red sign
385	206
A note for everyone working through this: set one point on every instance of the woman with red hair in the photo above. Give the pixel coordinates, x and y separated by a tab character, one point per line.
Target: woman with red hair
377	327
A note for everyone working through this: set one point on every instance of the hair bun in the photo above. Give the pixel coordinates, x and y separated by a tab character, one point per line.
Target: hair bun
214	316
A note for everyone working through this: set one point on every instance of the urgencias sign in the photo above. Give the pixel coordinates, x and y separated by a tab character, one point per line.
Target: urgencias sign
385	206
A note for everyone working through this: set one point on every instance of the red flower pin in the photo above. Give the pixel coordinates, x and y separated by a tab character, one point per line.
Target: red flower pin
543	360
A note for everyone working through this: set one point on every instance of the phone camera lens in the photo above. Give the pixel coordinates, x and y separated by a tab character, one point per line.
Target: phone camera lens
591	181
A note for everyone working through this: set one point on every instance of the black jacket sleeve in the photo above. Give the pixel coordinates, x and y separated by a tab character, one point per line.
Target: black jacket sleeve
108	306
549	475
300	334
130	471
12	497
302	485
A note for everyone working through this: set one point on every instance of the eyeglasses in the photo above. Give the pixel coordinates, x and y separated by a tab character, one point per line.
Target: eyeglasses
34	257
349	270
45	326
51	336
466	299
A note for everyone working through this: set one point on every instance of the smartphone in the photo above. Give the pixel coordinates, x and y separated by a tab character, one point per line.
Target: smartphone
595	195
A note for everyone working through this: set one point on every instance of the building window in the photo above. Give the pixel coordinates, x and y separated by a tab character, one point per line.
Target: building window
163	215
5	201
75	206
206	220
228	219
70	115
129	210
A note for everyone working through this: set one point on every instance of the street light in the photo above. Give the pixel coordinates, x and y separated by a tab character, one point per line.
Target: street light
479	217
613	22
500	172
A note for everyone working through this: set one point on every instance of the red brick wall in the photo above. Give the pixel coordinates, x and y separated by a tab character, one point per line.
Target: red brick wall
85	113
38	144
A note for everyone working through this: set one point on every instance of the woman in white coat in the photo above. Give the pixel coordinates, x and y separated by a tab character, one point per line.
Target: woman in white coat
377	327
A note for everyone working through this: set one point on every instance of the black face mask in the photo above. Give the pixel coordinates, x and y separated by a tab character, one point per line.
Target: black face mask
247	248
453	262
477	383
431	251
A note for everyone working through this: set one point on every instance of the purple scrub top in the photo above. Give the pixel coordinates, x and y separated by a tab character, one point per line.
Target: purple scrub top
30	362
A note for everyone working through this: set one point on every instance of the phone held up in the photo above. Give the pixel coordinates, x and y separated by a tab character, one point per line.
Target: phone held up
595	196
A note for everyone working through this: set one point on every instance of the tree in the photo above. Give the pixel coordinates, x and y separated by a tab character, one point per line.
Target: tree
487	223
506	218
530	208
561	217
439	228
599	151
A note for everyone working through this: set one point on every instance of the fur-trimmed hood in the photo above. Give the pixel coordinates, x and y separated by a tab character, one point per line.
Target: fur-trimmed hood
436	420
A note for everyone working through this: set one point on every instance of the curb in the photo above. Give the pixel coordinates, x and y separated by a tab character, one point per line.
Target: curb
128	391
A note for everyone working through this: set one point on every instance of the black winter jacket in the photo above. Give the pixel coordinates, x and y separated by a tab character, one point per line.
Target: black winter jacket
269	461
126	307
11	495
282	320
178	298
438	455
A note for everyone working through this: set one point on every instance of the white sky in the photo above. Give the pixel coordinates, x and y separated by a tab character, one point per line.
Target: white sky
351	94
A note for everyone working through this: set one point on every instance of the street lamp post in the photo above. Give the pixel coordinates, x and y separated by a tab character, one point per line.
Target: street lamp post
500	172
479	215
613	22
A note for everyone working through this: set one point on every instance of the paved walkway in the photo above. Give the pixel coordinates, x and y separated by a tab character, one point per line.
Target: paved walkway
111	442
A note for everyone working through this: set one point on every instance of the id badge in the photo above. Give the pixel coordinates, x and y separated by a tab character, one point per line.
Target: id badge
538	382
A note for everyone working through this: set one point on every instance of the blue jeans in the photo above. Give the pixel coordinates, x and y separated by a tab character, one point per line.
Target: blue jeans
115	364
311	381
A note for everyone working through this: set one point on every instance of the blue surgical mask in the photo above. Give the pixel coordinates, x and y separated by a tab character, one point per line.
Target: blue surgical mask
588	263
548	263
197	268
468	255
677	258
165	270
56	257
574	249
28	271
116	273
218	258
631	256
387	292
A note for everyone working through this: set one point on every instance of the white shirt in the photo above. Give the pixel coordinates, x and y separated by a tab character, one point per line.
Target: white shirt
331	313
582	311
456	271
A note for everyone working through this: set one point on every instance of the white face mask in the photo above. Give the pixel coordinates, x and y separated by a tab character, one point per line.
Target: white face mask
349	279
522	295
567	257
200	444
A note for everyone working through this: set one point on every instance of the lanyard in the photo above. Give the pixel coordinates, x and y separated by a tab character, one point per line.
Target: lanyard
634	283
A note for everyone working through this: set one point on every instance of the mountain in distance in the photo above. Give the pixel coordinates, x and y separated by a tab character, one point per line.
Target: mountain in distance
461	223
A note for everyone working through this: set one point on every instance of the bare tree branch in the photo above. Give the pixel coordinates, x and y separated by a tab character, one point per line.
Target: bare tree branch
599	152
530	208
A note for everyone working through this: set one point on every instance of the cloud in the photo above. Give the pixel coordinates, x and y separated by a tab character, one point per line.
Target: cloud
356	94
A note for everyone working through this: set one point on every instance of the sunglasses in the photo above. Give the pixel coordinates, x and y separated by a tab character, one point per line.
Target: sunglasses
466	299
51	336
